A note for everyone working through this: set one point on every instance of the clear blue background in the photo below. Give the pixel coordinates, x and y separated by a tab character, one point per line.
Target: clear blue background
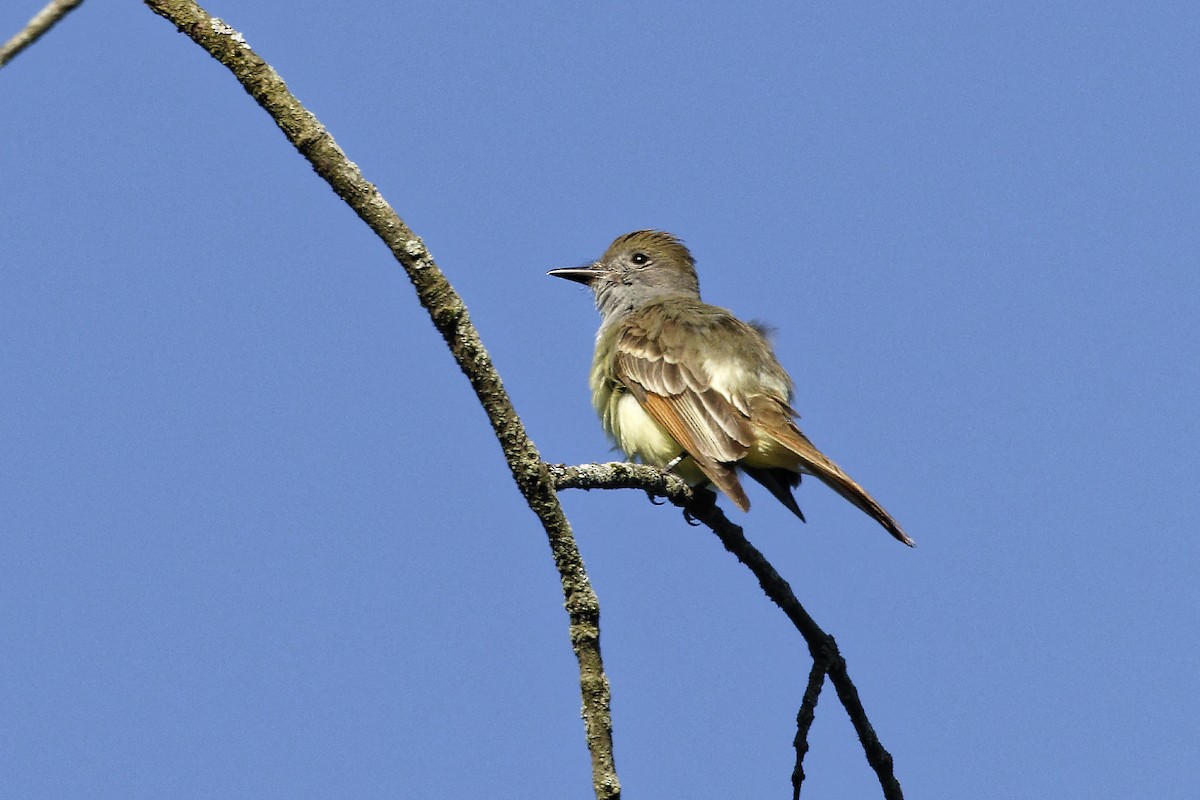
259	542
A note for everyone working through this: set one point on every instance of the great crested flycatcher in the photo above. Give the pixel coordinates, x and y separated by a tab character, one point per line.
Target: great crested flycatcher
687	386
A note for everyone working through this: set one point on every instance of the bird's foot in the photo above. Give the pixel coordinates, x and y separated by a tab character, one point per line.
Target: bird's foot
703	500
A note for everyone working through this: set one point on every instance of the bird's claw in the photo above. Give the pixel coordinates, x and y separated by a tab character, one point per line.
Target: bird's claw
702	501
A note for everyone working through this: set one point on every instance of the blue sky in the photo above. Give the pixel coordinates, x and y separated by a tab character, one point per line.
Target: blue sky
260	542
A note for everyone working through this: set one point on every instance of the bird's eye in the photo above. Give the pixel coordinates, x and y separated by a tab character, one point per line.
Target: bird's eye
640	259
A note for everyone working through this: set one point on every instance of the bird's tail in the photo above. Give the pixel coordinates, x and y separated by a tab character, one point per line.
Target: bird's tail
814	462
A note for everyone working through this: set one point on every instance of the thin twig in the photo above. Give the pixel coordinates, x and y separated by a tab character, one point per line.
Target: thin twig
449	316
821	645
43	21
804	721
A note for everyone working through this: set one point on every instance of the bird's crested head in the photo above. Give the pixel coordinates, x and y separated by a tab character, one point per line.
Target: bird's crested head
637	269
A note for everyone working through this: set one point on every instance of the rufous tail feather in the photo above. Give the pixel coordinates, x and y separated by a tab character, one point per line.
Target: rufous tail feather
814	461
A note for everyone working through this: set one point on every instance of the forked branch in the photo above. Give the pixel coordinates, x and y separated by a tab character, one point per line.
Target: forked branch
821	645
537	481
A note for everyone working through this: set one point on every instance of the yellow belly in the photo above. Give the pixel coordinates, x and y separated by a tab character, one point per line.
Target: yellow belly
638	434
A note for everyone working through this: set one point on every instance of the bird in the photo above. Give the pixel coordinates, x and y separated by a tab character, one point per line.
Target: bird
686	386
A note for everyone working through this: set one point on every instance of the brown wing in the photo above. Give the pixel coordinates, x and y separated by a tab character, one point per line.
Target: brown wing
721	475
675	390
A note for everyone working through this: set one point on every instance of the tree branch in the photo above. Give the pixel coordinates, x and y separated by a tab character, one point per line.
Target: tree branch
623	475
537	481
804	721
821	645
43	21
449	316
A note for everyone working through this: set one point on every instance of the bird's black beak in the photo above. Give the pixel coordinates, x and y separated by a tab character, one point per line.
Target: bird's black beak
583	274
